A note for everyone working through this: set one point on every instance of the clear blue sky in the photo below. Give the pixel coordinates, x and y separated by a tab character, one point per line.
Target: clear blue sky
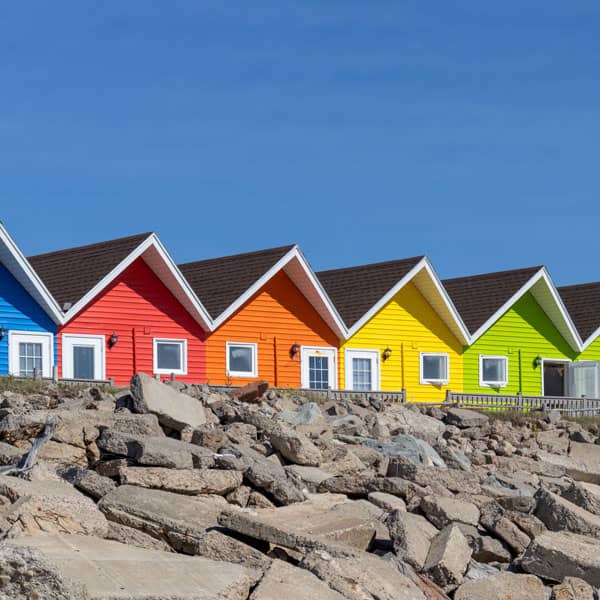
468	131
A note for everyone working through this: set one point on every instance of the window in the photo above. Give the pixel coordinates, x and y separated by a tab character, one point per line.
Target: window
361	374
241	360
434	368
30	359
83	356
493	371
29	351
170	356
318	372
83	362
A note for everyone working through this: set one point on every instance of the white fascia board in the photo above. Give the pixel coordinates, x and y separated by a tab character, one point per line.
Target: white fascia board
151	241
293	253
27	275
590	340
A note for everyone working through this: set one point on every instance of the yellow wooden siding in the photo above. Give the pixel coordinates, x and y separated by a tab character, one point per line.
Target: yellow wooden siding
408	325
592	352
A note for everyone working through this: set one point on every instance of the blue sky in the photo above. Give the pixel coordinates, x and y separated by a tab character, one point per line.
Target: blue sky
468	131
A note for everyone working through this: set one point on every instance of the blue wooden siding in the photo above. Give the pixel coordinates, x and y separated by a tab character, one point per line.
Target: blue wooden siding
19	312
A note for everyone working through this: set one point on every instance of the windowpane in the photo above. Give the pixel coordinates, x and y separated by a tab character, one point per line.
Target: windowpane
30	358
168	356
318	372
361	374
83	362
493	370
435	367
241	359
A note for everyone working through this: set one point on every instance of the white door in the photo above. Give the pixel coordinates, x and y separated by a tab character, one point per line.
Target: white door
584	379
318	368
362	370
83	356
28	351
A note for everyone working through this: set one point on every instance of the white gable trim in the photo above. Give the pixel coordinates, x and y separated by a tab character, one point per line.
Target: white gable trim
293	254
27	276
423	265
543	275
202	316
588	342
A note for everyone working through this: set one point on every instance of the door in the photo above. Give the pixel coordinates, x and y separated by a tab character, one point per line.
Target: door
554	378
362	370
83	356
29	352
584	379
318	368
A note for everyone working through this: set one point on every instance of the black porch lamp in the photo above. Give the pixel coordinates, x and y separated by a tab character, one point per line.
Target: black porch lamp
114	338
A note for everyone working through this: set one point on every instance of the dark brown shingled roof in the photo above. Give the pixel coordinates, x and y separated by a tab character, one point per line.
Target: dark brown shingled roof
69	274
478	297
218	282
355	290
583	303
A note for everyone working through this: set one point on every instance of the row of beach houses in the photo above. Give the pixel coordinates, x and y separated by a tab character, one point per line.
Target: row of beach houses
108	310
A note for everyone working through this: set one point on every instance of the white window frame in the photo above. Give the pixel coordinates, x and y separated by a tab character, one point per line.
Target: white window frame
245	374
306	352
493	384
34	337
424	381
69	340
373	355
182	343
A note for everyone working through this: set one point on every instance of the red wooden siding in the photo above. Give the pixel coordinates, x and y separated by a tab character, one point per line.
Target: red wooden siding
138	308
275	318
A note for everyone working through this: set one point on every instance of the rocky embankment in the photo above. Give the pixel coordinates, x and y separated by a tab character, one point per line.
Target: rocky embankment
182	492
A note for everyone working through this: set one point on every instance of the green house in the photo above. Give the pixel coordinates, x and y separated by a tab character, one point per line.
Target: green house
522	337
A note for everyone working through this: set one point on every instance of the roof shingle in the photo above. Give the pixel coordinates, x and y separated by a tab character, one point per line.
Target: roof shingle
583	303
69	274
355	290
218	282
478	297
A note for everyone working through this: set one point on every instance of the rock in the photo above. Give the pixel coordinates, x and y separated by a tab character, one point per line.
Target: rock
26	574
556	555
487	549
553	440
361	576
339	460
559	514
463	418
10	455
283	580
135	537
180	520
321	520
441	511
173	409
448	557
62	454
387	502
347	425
251	393
577	468
573	588
585	495
411	535
91	483
183	481
107	569
479	570
400	420
239	496
217	546
502	586
295	447
409	447
307	414
311	477
494	520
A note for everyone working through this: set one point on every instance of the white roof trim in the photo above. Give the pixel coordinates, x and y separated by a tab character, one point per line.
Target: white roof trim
203	318
575	343
293	254
592	338
423	264
27	275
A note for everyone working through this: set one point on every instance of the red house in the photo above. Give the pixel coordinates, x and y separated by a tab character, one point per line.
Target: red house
127	308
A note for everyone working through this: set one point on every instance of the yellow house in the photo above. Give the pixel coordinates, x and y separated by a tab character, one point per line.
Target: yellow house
403	330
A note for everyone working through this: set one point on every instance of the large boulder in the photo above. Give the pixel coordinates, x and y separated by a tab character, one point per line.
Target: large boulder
573	588
441	511
295	447
401	420
501	587
173	409
308	414
411	535
559	514
586	495
409	447
448	557
463	418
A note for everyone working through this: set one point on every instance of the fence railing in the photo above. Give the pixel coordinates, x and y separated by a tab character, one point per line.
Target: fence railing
569	406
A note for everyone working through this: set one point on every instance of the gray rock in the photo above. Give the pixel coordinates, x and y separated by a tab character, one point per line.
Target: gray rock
10	455
173	409
387	502
411	535
409	447
556	555
479	570
501	587
585	495
463	418
559	514
442	510
91	483
573	588
295	447
495	521
311	477
135	537
347	425
487	549
448	557
307	414
400	420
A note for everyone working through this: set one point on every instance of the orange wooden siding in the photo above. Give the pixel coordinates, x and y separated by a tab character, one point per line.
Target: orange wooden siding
138	308
277	317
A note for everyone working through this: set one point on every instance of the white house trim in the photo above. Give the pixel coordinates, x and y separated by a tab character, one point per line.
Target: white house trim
45	338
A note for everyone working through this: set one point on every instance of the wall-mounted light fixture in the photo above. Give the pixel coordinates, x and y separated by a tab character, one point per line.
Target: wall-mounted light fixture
537	361
2	333
387	353
295	349
114	338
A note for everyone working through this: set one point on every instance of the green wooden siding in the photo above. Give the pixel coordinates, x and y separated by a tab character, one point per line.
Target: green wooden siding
521	334
592	352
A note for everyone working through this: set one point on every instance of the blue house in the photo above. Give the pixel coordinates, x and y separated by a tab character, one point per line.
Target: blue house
29	315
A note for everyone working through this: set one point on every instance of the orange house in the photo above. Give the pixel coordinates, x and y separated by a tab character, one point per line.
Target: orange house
272	320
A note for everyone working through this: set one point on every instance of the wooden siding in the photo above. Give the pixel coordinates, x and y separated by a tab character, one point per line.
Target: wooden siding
138	308
521	334
592	352
275	318
18	312
409	325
